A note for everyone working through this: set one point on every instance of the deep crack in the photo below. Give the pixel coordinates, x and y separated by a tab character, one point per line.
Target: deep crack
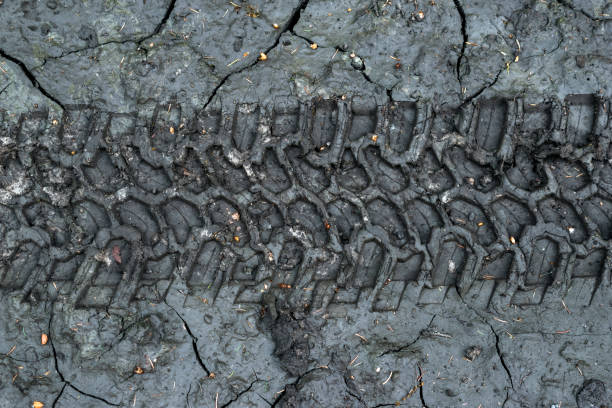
164	19
240	394
4	89
421	394
295	17
481	90
279	397
389	91
464	34
31	77
58	396
194	342
501	357
351	393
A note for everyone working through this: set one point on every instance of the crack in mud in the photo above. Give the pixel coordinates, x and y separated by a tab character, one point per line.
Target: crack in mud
194	341
501	357
187	396
490	84
63	55
402	348
351	393
295	17
481	90
31	77
388	91
4	89
461	12
164	19
61	375
506	400
137	41
297	381
421	395
497	347
58	396
240	394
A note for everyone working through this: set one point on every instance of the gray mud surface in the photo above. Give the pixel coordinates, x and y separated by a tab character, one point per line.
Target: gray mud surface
305	203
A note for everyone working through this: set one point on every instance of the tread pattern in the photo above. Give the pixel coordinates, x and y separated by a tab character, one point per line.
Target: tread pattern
326	204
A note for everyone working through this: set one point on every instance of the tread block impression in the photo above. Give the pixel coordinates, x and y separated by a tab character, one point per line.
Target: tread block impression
590	266
49	218
77	124
480	177
108	276
563	214
165	126
431	175
228	222
305	217
271	174
599	211
387	216
156	278
190	173
324	124
543	262
361	275
424	217
497	268
207	270
389	177
137	215
516	216
288	264
526	173
286	120
471	217
181	216
306	173
491	124
149	178
225	174
102	173
570	175
23	263
368	265
580	119
246	121
537	119
363	122
345	216
351	174
405	272
449	264
402	119
267	217
586	275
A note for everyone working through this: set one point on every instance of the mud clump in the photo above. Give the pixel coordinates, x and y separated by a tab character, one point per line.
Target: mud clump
291	333
593	395
472	353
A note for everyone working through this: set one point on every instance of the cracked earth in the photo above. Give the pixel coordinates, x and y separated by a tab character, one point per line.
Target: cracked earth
188	350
